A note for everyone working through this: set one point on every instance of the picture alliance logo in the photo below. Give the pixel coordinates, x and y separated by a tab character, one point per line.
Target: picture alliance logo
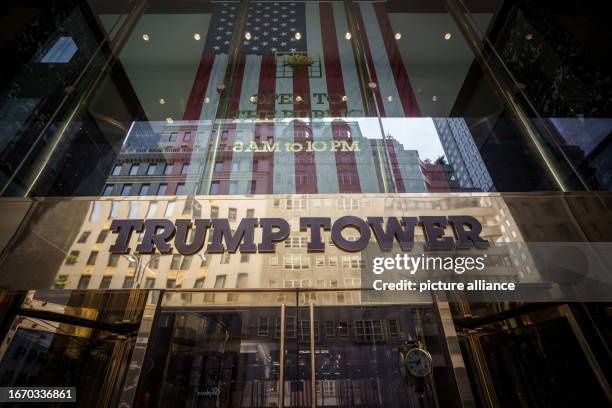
166	236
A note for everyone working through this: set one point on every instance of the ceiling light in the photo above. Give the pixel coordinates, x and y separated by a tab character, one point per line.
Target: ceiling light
298	98
372	85
169	120
196	37
347	36
247	35
398	36
207	100
390	98
162	101
447	36
434	98
344	98
298	35
253	99
529	36
145	37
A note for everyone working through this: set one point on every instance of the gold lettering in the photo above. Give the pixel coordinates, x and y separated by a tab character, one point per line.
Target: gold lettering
353	147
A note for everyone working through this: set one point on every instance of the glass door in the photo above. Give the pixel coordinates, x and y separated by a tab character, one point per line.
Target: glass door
211	349
374	354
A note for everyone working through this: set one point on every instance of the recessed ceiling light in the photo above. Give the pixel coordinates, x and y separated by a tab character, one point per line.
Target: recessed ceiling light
162	101
247	35
298	35
529	36
347	36
298	98
169	120
253	99
344	98
372	85
390	98
145	37
398	36
196	37
207	100
434	98
447	36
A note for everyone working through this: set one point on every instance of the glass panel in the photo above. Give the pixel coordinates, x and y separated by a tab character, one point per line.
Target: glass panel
447	126
223	354
552	50
357	350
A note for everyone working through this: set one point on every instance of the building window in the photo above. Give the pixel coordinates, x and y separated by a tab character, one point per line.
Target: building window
170	209
352	262
368	331
117	170
214	212
102	236
173	136
83	282
180	189
187	137
113	260
152	169
274	260
214	187
225	258
126	190
60	282
108	189
232	214
170	283
161	190
394	329
250	213
83	238
150	283
168	169
128	282
152	209
296	261
263	328
218	166
93	255
342	329
330	329
185	169
106	282
199	283
347	178
205	261
72	258
233	187
176	262
144	189
301	178
154	262
186	263
320	260
134	169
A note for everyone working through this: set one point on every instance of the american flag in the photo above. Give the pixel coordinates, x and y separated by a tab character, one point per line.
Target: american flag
274	32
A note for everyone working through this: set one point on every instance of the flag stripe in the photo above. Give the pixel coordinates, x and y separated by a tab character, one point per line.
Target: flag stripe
402	82
369	58
264	173
345	161
305	171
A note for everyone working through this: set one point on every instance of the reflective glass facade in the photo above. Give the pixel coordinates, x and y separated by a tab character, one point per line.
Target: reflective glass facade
189	112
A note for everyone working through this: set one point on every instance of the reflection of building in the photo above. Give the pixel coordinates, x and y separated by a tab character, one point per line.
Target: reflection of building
462	154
